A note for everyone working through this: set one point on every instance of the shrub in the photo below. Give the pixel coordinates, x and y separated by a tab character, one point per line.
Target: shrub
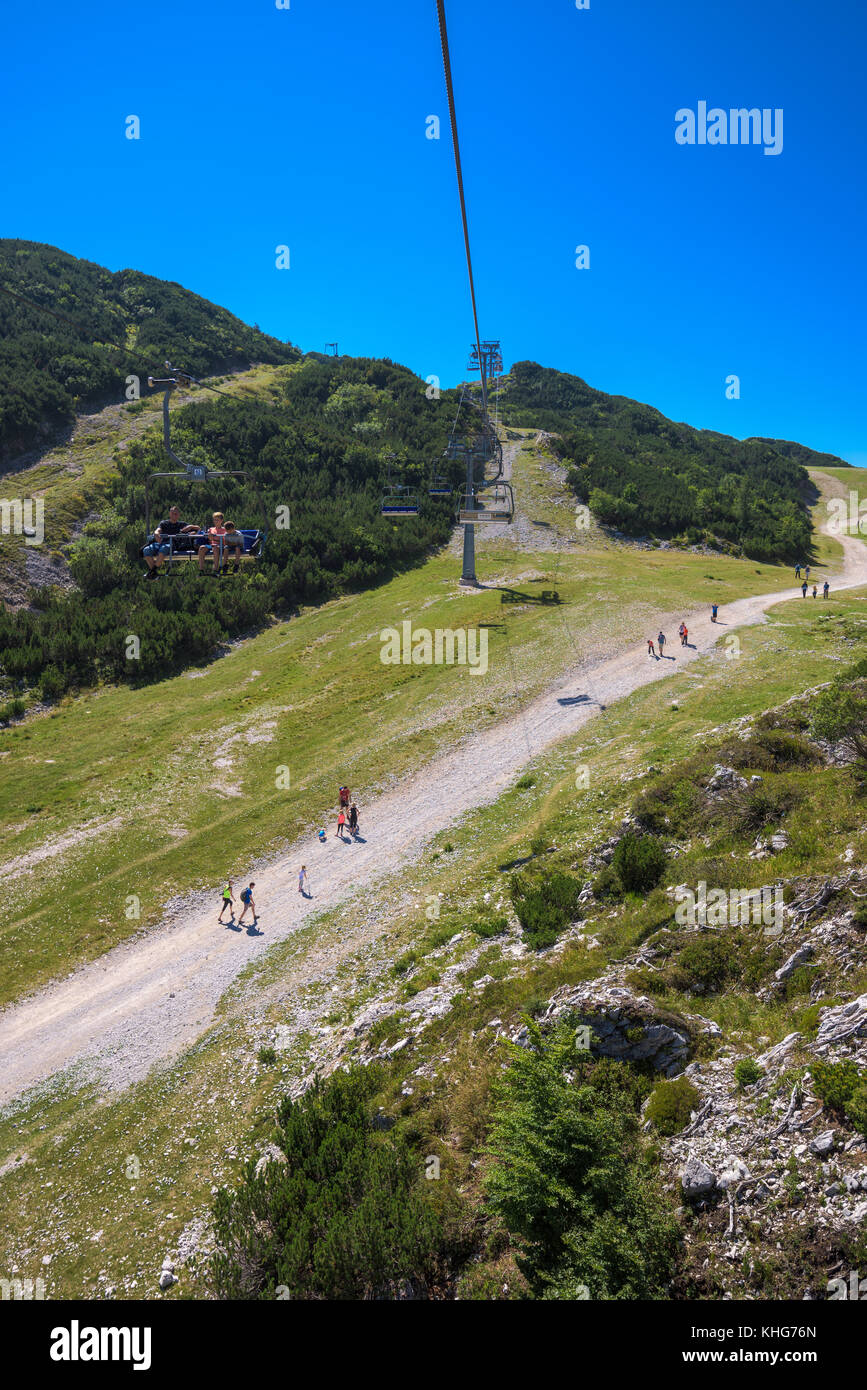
346	1217
525	782
569	1177
671	1105
800	981
835	1084
859	917
606	884
490	926
544	906
266	1055
704	965
856	1108
747	1072
757	807
639	862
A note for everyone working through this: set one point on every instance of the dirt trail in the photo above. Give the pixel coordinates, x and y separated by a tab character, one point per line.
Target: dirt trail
145	1000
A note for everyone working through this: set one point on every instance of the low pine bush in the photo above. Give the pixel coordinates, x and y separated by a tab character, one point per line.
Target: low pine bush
671	1105
835	1084
639	862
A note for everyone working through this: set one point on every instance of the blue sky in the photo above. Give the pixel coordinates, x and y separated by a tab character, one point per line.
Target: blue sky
306	127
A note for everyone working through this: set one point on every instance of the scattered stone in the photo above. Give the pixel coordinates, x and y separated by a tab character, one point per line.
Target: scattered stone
697	1180
823	1144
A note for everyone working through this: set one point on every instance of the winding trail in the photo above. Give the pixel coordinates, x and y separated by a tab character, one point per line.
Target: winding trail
145	1000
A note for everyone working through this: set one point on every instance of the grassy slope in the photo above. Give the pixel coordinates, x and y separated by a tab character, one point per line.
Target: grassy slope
139	765
190	1125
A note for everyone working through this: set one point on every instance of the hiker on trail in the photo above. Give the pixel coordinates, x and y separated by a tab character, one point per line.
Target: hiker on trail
228	900
814	591
353	819
797	571
303	882
247	900
684	633
714	609
650	651
680	632
825	589
804	589
341	821
806	571
660	641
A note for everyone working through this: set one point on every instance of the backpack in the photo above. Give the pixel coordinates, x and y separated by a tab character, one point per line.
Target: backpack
246	895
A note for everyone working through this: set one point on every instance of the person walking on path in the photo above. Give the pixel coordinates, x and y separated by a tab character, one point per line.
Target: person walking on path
714	609
353	820
303	882
660	641
684	634
806	571
797	571
341	821
247	900
650	651
228	901
814	591
825	587
804	589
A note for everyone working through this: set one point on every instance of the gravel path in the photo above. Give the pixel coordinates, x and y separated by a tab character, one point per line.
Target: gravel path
142	1002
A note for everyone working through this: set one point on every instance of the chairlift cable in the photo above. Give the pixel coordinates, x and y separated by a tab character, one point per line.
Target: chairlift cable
447	67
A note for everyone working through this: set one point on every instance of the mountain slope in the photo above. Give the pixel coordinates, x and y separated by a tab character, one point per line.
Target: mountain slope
646	474
49	369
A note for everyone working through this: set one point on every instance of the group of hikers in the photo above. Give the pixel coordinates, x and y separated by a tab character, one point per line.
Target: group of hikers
347	818
806	570
659	649
222	541
661	639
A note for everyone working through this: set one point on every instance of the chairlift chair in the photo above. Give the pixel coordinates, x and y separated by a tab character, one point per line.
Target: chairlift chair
186	547
398	500
475	508
439	485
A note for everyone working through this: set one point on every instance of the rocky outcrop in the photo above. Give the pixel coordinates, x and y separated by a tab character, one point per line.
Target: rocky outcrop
622	1025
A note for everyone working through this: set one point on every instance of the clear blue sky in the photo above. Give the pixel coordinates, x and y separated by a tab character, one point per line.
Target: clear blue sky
307	127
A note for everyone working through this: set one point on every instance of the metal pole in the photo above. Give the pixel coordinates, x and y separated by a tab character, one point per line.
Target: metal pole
468	575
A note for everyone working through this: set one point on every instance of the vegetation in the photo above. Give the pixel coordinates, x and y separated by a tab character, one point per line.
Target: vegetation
544	906
639	862
50	369
747	1072
671	1105
647	475
306	456
344	1217
569	1178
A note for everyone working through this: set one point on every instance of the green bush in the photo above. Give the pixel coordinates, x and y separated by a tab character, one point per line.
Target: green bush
607	885
639	862
704	965
671	1105
747	1072
490	926
266	1055
859	917
346	1217
570	1179
835	1084
544	906
856	1108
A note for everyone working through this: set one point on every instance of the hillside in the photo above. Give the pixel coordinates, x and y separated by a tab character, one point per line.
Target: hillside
647	475
50	369
511	900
